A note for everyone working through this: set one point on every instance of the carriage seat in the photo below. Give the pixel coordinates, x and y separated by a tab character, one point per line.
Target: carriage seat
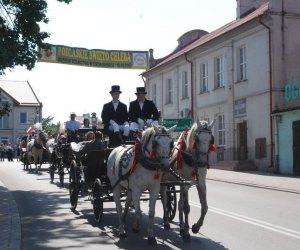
96	164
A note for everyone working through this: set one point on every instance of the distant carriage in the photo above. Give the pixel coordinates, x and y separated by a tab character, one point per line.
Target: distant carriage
36	149
63	156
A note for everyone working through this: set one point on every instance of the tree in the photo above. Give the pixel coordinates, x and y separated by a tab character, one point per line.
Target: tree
5	108
20	33
48	126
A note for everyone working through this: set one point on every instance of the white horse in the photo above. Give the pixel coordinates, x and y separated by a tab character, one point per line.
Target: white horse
35	149
137	169
191	157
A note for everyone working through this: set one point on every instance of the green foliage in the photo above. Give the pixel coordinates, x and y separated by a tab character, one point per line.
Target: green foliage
49	126
20	33
5	108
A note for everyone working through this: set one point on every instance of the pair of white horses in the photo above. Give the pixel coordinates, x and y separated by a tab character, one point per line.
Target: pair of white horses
148	164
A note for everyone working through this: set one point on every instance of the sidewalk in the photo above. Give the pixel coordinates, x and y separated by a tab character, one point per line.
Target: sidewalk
258	179
10	226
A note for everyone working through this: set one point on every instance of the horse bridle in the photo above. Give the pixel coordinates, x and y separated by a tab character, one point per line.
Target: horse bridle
155	144
199	153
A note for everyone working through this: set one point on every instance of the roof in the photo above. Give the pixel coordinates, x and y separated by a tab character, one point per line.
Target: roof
20	91
213	35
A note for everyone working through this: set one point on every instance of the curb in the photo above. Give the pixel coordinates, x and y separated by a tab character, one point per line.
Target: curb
256	185
10	223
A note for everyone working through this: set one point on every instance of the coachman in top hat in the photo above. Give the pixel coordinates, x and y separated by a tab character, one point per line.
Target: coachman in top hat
142	110
115	118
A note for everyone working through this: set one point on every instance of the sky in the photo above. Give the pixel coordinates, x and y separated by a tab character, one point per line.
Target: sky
112	25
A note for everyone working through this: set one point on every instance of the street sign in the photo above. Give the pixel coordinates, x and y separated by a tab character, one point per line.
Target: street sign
182	124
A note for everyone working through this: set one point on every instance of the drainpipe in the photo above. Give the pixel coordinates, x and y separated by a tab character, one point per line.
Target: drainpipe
192	86
143	80
270	87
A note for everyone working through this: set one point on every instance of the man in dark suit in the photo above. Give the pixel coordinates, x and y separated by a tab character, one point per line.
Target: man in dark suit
142	110
115	116
97	144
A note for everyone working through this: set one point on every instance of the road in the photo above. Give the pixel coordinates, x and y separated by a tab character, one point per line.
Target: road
239	217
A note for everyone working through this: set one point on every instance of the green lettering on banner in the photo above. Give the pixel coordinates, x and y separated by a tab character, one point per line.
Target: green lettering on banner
95	57
182	124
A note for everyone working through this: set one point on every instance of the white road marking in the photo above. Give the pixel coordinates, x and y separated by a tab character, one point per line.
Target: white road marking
259	223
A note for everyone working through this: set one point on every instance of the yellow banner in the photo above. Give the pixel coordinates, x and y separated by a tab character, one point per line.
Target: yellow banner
95	58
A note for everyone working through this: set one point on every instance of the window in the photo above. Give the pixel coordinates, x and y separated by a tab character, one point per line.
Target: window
185	93
221	130
4	122
154	93
169	91
4	140
204	78
23	117
219	72
242	67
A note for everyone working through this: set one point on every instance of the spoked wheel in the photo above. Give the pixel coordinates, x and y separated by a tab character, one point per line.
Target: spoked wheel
61	174
51	172
74	186
73	177
26	161
74	190
171	202
97	200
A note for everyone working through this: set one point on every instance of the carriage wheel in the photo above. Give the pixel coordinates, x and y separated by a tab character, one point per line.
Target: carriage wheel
51	172
26	161
97	200
73	176
73	190
171	202
74	186
61	174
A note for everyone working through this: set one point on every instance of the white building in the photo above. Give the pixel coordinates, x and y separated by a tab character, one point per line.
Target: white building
26	110
238	75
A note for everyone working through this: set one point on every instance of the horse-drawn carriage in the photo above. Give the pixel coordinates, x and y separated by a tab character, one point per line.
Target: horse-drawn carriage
114	174
124	174
34	149
62	154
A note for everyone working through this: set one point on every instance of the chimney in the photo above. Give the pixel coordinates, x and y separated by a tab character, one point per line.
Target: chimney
245	7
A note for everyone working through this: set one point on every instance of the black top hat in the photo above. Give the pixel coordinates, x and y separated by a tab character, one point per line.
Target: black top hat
115	88
140	90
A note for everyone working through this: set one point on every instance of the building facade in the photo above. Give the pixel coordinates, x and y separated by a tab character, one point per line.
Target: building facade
245	76
26	110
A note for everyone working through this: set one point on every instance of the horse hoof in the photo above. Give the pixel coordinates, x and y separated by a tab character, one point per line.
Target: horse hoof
194	229
186	238
122	235
181	232
152	241
167	226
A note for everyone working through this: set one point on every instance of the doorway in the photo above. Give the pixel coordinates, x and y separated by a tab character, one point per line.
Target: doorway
296	147
242	150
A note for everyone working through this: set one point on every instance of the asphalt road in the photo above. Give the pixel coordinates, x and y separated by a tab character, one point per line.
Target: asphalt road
239	217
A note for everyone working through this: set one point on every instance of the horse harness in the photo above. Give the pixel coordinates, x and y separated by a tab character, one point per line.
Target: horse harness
151	162
193	159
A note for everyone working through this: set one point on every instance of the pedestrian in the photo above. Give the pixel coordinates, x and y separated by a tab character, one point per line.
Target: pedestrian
2	152
9	152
